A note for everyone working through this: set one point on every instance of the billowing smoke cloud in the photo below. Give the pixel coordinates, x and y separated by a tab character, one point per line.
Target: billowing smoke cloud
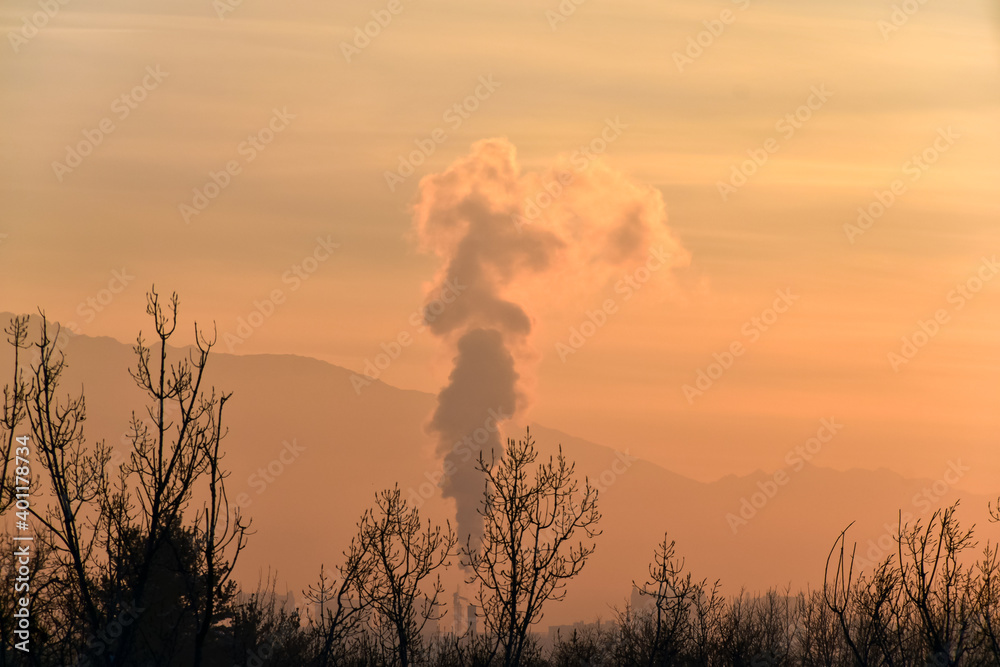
509	240
481	387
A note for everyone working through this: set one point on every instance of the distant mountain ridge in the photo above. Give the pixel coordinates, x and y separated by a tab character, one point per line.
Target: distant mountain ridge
307	453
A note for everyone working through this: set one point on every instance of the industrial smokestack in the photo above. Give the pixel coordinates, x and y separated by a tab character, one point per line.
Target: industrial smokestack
473	626
457	611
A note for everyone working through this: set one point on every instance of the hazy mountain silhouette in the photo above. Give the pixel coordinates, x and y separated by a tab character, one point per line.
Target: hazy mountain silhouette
339	448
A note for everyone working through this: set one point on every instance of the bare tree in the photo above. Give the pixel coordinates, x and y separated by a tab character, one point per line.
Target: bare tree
401	558
263	631
76	476
222	533
989	592
14	408
938	584
675	595
837	591
926	604
342	605
113	532
538	527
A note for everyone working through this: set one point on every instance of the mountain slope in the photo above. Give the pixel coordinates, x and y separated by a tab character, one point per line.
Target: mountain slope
307	454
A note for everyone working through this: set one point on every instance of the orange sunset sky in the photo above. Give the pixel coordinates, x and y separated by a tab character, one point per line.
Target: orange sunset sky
825	108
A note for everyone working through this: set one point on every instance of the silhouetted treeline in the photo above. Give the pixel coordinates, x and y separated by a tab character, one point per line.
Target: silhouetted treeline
132	559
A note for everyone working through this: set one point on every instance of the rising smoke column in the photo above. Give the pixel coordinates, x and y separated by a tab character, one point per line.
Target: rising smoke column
596	222
482	380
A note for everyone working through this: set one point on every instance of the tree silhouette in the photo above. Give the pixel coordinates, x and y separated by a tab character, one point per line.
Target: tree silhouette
133	563
928	603
675	597
399	556
342	606
118	536
14	408
536	519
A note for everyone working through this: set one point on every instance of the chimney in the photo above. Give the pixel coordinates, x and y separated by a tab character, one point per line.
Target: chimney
472	619
457	611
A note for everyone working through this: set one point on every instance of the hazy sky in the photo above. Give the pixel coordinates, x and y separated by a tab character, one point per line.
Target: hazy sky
834	105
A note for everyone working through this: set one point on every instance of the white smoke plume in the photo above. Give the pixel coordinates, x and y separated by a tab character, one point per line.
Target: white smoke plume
513	240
